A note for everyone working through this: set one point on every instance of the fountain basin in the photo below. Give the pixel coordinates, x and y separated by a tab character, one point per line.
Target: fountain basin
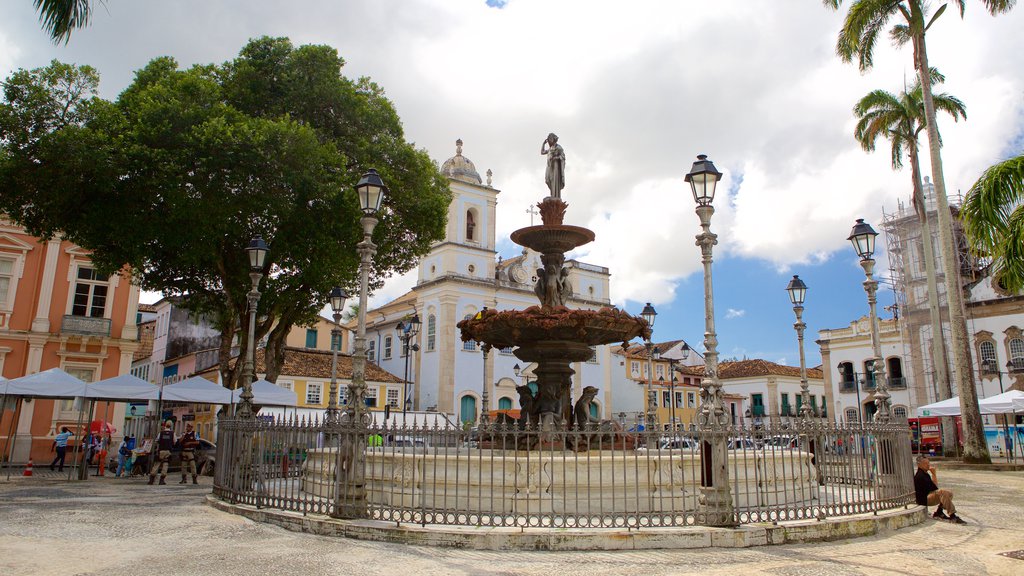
550	239
530	327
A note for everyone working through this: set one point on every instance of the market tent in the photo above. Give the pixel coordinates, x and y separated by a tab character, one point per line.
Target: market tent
197	389
266	393
125	387
950	407
52	383
1005	403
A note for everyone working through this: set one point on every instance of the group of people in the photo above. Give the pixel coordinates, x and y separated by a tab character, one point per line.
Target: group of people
166	442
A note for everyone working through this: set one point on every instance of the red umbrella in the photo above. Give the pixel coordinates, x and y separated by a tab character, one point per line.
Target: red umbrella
101	427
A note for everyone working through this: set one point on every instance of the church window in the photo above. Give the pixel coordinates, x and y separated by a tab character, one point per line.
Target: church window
431	333
387	347
988	356
469	345
470	226
1017	354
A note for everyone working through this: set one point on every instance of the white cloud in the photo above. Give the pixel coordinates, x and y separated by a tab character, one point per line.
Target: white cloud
634	92
734	313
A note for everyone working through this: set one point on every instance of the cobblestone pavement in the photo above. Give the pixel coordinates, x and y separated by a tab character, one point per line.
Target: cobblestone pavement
122	526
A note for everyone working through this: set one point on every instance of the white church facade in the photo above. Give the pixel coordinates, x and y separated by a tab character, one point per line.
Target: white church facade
460	276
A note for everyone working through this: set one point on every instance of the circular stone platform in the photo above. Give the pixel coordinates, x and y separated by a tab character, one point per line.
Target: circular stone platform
486	538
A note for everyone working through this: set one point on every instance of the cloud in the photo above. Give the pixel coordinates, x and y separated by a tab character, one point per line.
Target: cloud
734	313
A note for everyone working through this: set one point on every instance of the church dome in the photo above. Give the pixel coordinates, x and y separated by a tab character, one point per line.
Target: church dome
461	168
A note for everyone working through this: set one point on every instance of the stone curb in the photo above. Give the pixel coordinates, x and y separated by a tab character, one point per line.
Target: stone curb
565	539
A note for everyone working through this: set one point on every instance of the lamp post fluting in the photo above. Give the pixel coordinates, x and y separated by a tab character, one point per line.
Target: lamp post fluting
863	239
407	330
338	297
257	252
712	418
797	292
649	314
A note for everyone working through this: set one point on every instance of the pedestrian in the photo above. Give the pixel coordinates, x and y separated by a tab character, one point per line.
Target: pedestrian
102	450
927	493
164	445
60	446
188	444
124	454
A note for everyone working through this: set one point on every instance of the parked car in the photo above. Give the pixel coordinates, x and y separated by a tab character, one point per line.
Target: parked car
741	444
782	442
206	460
678	443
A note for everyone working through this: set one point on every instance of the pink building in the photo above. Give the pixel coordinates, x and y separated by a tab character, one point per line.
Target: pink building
56	310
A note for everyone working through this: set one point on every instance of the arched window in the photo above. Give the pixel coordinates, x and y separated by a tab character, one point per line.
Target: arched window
894	371
469	345
869	375
851	414
899	412
387	347
470	226
467	409
846	377
989	363
1017	353
431	333
504	403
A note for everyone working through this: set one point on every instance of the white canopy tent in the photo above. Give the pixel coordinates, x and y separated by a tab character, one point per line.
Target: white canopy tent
197	389
1005	403
125	387
949	407
52	383
266	393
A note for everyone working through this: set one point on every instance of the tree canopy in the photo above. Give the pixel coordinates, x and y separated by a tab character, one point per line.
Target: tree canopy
993	217
176	175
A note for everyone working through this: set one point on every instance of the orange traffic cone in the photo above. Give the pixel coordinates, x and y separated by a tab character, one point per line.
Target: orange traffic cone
28	469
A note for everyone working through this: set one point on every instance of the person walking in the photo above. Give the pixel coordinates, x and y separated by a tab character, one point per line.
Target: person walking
60	446
188	444
124	453
927	493
164	445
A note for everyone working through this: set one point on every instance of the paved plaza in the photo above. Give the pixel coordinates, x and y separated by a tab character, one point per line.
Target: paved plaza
117	526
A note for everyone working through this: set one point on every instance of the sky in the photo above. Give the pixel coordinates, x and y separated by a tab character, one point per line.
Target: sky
634	91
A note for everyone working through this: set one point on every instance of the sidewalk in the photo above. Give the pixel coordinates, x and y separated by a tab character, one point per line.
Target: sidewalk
122	526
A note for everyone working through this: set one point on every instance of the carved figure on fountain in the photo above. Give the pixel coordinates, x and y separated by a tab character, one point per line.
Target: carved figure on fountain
581	411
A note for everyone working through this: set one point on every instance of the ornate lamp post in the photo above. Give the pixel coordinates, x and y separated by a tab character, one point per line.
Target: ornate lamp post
257	251
338	297
651	420
713	420
371	191
863	239
407	330
797	292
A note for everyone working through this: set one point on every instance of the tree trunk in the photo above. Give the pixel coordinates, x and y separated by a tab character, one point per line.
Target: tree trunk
273	354
940	372
975	449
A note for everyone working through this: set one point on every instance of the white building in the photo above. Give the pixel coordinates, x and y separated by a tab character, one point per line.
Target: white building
461	275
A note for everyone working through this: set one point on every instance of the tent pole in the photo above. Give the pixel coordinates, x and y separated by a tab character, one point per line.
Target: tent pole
79	452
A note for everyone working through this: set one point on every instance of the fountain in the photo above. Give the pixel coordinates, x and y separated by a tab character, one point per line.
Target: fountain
552	335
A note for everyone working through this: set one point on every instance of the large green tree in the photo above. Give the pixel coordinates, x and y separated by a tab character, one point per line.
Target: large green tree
174	177
864	22
899	118
993	218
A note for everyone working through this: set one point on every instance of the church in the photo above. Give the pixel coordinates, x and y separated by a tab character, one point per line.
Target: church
459	277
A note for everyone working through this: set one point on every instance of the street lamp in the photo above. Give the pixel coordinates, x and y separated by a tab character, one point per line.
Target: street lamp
863	239
650	315
338	297
257	251
407	330
797	292
712	418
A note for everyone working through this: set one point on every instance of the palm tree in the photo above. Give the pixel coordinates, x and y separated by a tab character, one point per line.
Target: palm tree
61	17
900	119
864	21
993	217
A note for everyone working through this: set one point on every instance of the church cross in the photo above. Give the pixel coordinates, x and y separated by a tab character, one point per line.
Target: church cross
532	212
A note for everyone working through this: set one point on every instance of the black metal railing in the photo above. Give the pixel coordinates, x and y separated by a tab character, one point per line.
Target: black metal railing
601	477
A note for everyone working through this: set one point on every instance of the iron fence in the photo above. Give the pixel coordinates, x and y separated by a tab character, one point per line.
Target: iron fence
501	475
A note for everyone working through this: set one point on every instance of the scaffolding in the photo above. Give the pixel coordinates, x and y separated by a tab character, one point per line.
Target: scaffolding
905	245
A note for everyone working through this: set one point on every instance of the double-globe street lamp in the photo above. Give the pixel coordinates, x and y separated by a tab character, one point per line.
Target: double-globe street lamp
797	292
338	297
651	420
407	330
863	239
712	419
257	252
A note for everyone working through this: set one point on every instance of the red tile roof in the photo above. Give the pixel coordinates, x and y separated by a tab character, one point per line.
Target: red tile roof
749	368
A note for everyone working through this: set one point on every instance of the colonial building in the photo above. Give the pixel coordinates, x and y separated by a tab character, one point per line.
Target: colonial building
676	393
460	276
759	389
58	311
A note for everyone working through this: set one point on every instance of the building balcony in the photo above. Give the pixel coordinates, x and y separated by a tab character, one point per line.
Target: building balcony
897	383
847	386
86	326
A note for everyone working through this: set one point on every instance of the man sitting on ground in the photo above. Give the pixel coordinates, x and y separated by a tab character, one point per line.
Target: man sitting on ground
927	492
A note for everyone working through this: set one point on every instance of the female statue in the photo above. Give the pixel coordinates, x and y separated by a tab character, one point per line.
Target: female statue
554	176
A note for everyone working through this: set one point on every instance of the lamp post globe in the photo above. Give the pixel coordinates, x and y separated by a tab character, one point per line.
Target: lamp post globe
703	179
862	236
371	191
649	314
797	291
